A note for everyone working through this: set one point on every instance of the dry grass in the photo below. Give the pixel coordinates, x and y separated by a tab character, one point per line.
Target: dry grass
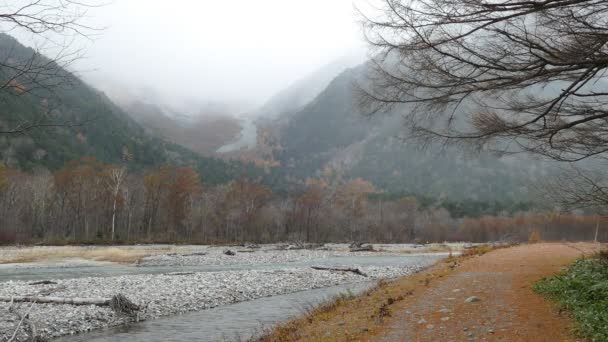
439	247
478	250
112	254
289	331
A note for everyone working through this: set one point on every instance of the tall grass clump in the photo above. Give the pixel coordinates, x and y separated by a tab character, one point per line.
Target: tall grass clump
583	291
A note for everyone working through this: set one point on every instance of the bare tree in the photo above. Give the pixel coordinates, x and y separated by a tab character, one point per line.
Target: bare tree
114	177
577	188
514	75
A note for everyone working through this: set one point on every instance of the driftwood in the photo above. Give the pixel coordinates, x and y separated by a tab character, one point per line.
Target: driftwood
179	273
340	269
57	300
361	247
297	245
123	305
193	254
118	303
29	328
43	282
47	292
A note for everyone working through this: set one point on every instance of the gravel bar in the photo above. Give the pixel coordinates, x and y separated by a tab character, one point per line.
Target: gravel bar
173	294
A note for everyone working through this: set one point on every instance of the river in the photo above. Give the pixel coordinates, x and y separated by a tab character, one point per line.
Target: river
228	322
236	322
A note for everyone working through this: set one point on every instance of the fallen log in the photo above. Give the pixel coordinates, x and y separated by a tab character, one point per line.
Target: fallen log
194	254
179	273
43	282
57	300
118	303
340	269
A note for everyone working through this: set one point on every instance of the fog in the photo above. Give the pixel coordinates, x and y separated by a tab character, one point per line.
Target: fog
238	51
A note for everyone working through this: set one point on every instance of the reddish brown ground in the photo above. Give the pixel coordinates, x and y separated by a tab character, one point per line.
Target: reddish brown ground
431	306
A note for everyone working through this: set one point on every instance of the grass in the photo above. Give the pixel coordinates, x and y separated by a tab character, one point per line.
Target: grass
583	291
479	250
290	331
112	254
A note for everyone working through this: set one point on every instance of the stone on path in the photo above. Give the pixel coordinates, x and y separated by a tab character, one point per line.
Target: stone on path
472	299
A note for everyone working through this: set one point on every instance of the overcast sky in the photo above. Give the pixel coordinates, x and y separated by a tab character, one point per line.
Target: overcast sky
215	50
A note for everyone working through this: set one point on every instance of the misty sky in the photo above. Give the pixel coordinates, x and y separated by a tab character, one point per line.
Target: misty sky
238	50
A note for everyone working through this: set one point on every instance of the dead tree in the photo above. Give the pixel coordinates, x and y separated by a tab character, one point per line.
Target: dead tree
575	188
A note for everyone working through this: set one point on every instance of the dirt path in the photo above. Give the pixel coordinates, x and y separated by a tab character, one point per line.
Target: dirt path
508	309
431	306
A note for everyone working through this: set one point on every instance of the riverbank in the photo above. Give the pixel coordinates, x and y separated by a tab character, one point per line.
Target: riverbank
486	297
172	293
131	254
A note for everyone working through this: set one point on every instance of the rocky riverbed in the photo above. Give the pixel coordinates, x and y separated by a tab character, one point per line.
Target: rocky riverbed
174	293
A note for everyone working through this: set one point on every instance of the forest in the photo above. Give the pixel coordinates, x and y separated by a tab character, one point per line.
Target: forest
89	202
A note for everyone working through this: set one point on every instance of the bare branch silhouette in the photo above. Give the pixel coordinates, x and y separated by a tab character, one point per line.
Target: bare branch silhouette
510	76
43	70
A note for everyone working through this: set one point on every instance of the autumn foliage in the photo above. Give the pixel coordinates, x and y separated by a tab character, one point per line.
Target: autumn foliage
88	201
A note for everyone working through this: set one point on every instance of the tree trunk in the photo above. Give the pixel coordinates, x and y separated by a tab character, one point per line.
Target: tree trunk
597	228
114	217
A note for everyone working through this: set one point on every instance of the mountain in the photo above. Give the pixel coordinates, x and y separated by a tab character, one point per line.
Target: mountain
305	90
331	138
201	126
89	123
203	134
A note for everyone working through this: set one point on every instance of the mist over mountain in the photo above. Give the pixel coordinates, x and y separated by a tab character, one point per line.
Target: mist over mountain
331	138
312	129
302	91
84	123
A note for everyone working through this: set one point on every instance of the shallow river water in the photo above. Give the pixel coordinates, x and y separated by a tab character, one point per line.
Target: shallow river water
236	322
225	323
58	272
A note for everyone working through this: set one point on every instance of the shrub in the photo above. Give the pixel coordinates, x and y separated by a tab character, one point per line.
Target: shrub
603	256
583	291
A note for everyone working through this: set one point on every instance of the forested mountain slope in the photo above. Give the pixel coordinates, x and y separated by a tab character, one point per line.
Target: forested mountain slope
331	138
88	123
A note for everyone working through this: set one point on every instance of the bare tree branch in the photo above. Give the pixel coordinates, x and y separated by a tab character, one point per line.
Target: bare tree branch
532	73
40	72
